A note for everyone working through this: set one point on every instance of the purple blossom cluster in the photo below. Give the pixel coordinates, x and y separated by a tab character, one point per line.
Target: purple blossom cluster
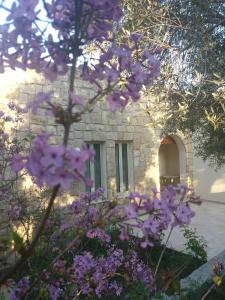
54	291
124	75
22	286
122	70
90	215
16	114
16	108
24	43
139	271
164	210
93	274
96	17
40	99
54	165
10	144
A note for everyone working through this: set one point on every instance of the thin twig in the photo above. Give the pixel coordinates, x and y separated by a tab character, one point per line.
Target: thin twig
163	251
30	249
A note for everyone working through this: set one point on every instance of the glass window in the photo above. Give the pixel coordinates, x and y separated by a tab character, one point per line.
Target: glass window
123	166
95	168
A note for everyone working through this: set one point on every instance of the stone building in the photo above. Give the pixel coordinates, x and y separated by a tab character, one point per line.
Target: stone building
130	152
122	140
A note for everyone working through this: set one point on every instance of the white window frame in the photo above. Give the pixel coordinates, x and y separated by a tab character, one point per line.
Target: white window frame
130	166
102	165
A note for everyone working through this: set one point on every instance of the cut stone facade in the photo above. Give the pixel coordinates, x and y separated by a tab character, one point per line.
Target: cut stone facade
131	126
101	125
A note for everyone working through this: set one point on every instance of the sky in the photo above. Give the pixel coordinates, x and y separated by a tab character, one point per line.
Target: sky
8	4
42	16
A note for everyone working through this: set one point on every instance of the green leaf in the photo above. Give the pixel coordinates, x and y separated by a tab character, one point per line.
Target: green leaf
17	241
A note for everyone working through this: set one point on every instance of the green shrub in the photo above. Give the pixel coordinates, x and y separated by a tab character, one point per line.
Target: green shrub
195	244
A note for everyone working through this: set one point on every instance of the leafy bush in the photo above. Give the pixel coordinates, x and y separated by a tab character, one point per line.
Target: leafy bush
195	244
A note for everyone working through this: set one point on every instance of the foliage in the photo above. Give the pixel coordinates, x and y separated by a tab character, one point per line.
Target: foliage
172	260
54	38
190	35
194	243
17	201
201	112
87	259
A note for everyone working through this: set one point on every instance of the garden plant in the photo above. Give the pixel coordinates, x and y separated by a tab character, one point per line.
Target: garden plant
90	251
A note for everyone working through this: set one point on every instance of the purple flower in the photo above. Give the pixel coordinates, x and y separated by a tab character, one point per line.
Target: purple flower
133	196
100	234
182	189
123	234
24	9
53	156
183	214
77	99
54	165
116	287
92	213
17	163
76	206
58	176
93	274
22	286
116	101
54	292
159	204
135	37
150	226
139	271
38	100
77	159
146	243
131	210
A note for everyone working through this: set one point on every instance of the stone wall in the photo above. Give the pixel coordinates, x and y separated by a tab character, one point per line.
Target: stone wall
133	126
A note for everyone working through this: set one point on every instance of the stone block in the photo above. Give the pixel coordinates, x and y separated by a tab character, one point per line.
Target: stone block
78	126
77	134
112	136
96	118
100	136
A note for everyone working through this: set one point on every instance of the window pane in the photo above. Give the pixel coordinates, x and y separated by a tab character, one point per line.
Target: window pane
88	174
125	167
117	168
97	166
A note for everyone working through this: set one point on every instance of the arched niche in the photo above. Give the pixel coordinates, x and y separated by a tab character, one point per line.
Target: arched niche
172	161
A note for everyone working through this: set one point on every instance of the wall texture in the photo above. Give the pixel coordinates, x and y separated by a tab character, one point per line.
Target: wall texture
208	182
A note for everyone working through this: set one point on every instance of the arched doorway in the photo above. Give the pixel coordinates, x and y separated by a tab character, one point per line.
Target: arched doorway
172	161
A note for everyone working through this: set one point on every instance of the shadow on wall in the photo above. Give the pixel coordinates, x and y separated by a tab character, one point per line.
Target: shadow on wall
210	184
20	87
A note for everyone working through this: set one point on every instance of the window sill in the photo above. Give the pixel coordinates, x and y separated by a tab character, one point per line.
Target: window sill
122	195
